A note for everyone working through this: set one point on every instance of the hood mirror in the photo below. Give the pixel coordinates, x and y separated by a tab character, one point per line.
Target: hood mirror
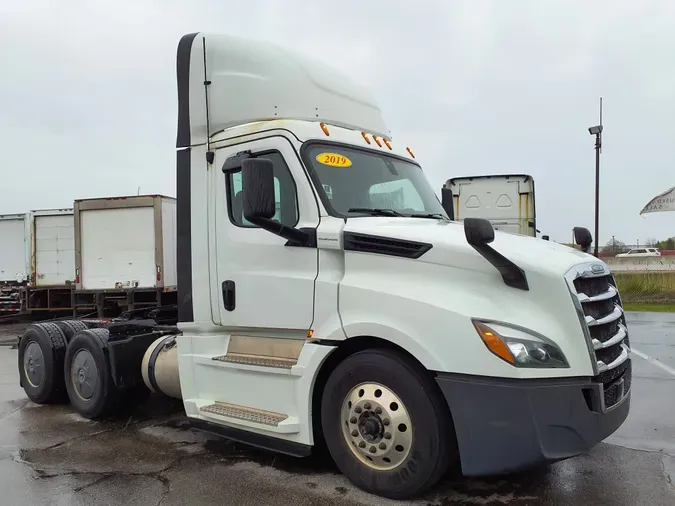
583	237
478	231
479	234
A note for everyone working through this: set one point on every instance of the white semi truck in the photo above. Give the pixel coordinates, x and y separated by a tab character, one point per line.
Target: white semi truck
326	300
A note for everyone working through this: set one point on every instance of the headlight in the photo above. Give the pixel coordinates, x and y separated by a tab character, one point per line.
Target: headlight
520	347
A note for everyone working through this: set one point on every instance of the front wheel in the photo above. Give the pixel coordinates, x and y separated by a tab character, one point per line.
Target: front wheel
386	425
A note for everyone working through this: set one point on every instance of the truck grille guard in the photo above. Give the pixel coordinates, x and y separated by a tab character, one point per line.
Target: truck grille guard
601	315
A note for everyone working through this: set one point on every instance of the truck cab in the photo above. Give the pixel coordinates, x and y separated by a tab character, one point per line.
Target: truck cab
326	298
505	200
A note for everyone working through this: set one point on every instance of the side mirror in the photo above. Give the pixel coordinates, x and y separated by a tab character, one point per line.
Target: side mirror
257	183
583	237
478	231
259	202
446	202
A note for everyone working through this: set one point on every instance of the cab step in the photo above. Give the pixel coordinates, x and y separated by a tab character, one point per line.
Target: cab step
254	415
262	351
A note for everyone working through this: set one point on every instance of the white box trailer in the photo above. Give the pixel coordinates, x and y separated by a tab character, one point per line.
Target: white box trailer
125	242
52	247
507	201
14	248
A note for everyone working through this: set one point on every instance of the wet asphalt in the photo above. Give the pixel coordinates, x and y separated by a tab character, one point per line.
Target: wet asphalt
51	456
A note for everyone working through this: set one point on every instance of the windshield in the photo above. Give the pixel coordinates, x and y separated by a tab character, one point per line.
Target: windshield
356	182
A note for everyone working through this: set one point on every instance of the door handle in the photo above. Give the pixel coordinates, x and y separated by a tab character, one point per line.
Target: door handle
229	295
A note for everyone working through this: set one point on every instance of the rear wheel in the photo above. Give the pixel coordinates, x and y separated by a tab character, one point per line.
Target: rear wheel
41	351
70	327
385	424
87	371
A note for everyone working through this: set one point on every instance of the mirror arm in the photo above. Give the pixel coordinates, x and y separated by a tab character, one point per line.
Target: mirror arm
293	235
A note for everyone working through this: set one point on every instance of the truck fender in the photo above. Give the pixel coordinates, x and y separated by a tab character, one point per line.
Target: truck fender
397	337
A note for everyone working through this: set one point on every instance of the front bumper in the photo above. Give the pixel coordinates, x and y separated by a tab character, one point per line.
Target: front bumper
505	426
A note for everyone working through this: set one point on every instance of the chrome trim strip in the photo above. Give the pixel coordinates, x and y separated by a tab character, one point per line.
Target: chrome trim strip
625	353
611	293
617	338
613	316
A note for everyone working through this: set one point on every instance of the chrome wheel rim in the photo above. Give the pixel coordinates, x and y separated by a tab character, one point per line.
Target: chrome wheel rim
376	426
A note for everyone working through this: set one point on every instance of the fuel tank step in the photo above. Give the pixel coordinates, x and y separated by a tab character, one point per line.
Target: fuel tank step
245	413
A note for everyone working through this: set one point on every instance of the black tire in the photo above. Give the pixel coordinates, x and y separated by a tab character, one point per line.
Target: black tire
70	327
433	443
88	380
41	353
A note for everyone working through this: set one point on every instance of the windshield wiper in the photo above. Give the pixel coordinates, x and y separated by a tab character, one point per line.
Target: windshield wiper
374	211
434	216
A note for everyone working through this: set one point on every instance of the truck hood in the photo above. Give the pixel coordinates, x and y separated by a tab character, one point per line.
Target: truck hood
449	245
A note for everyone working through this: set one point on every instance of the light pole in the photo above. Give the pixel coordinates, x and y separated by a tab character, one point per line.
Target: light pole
597	131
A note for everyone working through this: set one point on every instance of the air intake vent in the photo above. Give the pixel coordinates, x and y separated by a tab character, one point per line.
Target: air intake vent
385	245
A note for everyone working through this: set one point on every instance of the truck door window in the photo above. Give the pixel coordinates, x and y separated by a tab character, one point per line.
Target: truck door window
284	191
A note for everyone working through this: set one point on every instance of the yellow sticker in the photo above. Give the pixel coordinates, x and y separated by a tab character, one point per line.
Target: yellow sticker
333	159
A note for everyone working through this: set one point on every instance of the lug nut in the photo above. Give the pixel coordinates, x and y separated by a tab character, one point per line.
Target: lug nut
372	449
352	419
378	410
385	421
383	446
355	433
357	410
367	405
362	444
387	435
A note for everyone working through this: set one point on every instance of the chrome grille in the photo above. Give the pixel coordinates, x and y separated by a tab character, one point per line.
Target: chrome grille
601	315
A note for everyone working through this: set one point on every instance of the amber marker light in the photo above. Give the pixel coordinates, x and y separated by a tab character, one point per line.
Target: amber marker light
365	137
324	128
494	343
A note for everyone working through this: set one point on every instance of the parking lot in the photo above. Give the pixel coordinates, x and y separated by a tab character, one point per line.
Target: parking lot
51	456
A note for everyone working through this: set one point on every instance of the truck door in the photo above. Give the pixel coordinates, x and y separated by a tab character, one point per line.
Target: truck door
261	282
507	201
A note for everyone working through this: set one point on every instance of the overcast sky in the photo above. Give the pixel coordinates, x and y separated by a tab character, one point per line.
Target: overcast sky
88	93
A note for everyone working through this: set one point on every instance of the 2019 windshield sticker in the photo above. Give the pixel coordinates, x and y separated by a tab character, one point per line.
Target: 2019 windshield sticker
333	160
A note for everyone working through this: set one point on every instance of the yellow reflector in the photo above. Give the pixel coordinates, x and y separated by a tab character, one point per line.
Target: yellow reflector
310	333
365	137
324	128
410	151
377	140
387	143
494	344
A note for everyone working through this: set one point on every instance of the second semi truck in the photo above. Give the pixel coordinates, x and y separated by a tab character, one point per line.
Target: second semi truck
325	297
